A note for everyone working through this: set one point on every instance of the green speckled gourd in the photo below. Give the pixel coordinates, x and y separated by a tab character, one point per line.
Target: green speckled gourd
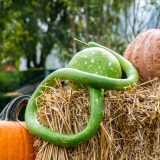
96	68
98	61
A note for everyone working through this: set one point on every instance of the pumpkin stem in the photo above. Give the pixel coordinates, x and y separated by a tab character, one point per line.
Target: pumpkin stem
13	108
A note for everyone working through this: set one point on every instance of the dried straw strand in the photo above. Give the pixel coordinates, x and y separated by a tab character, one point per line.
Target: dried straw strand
130	129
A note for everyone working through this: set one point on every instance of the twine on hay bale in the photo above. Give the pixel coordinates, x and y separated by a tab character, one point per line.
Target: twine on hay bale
130	129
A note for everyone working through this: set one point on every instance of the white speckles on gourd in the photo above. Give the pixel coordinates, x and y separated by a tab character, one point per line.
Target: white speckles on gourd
92	60
93	53
117	74
98	61
96	100
109	64
75	61
90	66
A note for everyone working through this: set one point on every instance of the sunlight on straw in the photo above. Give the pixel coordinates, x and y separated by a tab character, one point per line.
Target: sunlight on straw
130	129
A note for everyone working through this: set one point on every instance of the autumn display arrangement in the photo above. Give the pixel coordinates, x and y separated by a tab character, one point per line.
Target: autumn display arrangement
98	114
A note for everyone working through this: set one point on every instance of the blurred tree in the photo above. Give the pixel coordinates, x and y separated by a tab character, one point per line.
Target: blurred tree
98	21
29	24
37	22
139	16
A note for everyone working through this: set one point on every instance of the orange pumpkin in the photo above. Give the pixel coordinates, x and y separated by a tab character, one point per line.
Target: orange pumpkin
144	53
15	141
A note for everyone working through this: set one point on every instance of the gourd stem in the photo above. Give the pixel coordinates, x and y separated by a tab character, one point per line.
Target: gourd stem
81	42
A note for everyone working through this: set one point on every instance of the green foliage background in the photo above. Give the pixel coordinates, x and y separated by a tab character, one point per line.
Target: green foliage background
10	81
54	24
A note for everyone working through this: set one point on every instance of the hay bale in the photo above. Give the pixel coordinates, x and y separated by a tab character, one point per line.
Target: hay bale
130	129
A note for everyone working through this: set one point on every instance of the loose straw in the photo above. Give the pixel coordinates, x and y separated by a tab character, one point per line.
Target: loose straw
130	129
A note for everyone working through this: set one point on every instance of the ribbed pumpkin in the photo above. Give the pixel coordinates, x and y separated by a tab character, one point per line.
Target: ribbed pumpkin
15	141
144	53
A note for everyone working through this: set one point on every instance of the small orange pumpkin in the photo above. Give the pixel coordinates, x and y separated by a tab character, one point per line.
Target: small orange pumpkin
15	141
144	53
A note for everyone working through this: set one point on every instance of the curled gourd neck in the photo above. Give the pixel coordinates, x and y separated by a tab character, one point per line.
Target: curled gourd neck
81	71
12	109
